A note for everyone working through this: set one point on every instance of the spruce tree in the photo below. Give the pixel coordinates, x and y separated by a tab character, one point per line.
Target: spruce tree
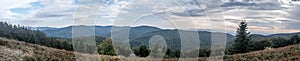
242	42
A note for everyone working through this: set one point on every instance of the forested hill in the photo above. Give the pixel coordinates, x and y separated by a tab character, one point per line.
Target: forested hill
284	35
138	34
28	35
144	33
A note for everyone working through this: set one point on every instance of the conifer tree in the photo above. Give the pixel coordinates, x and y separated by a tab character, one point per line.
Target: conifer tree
106	48
143	51
242	42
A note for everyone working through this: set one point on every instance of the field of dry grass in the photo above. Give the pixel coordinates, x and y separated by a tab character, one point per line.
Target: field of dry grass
12	50
288	53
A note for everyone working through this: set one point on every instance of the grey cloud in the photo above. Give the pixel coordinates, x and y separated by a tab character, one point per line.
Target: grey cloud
192	13
254	6
100	2
293	25
286	21
267	6
54	13
5	18
90	2
229	4
50	15
294	13
29	21
189	2
256	17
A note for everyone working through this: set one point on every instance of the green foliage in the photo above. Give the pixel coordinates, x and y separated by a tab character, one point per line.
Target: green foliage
169	53
143	51
106	48
204	52
25	34
241	43
260	45
20	33
295	39
60	43
280	42
172	53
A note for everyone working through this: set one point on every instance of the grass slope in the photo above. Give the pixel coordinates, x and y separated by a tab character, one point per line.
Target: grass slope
12	50
288	53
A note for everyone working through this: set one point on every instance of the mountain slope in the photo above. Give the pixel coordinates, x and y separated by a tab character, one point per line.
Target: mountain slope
173	39
104	31
288	53
259	37
12	50
139	34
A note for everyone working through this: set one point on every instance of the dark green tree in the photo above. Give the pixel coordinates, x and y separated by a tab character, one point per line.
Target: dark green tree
295	39
280	42
242	41
22	33
172	53
106	48
204	52
260	45
143	51
169	53
177	53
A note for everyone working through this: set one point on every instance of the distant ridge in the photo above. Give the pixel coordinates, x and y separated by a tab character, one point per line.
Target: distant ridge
141	34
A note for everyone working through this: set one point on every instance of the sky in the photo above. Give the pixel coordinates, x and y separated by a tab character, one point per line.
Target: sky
262	16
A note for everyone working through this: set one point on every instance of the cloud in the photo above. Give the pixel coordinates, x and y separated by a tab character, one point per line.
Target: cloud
37	12
6	5
191	12
261	15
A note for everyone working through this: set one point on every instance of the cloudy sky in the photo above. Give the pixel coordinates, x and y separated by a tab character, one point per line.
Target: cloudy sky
263	16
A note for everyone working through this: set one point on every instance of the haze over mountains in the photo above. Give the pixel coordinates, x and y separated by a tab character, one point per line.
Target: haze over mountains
141	34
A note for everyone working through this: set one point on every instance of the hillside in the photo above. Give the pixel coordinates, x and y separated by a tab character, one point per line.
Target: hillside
137	34
172	38
20	51
285	35
12	50
104	31
288	53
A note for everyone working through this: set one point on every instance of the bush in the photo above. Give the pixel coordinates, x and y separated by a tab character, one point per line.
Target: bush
106	48
143	51
260	45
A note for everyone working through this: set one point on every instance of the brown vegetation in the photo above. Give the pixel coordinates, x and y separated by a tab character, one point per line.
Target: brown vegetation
12	50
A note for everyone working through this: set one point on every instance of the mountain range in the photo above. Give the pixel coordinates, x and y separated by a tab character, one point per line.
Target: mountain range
140	34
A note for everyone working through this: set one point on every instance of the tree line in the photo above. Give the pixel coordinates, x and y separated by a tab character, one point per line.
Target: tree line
25	34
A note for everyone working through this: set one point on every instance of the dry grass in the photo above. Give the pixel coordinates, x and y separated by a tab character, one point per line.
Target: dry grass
12	50
288	53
